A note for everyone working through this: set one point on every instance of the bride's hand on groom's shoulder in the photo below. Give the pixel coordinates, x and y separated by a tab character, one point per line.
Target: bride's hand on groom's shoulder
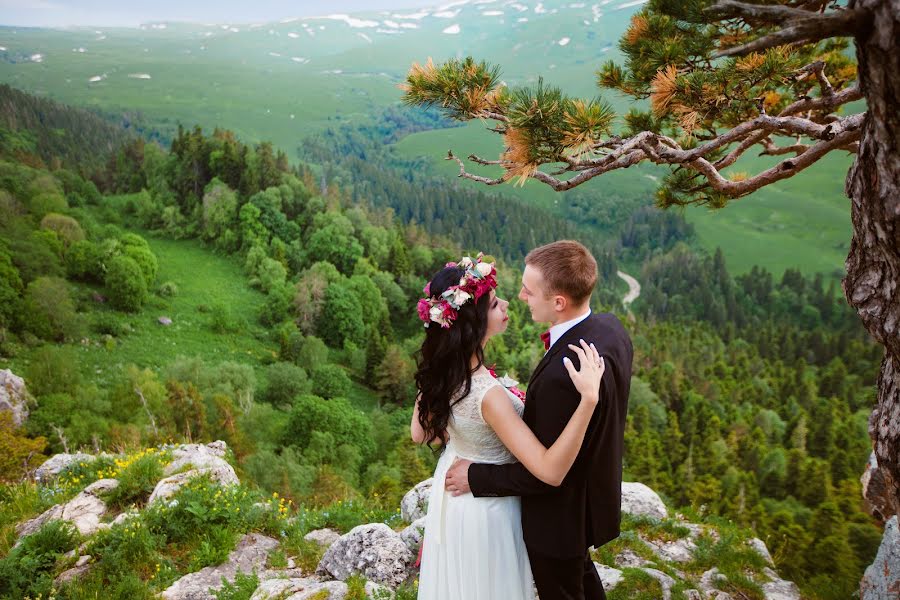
591	368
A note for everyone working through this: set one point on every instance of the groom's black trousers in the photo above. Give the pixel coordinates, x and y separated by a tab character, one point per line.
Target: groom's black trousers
566	578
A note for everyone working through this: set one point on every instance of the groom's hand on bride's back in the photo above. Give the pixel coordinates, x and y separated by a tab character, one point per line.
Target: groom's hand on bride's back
457	480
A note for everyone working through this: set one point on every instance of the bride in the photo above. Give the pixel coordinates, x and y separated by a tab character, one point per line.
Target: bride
473	547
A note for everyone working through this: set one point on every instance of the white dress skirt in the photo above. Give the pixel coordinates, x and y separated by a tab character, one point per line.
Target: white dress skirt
473	548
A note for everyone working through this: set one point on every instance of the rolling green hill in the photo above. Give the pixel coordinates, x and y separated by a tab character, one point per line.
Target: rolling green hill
285	81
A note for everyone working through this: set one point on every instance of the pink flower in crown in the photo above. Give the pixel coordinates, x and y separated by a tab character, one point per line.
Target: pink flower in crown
449	315
424	308
427	290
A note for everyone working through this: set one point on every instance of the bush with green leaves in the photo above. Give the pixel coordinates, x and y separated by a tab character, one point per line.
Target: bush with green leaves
126	285
67	229
336	417
28	568
341	317
241	588
10	289
84	261
221	319
49	312
137	475
168	289
137	248
284	382
330	381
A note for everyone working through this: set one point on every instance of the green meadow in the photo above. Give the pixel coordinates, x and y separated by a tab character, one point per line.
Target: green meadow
285	81
206	282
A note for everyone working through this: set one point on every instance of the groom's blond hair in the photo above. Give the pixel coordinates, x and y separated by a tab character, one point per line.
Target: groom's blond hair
568	268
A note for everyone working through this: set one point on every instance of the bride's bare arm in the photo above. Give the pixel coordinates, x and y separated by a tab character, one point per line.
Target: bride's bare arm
550	465
415	428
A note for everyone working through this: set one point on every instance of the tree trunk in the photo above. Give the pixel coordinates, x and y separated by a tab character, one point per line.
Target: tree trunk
873	184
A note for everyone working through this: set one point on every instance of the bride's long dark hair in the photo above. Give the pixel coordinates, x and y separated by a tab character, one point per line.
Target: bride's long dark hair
444	360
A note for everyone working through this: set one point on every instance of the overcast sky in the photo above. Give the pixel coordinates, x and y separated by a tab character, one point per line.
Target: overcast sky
109	13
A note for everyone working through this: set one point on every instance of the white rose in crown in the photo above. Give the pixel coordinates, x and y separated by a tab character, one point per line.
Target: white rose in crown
460	297
466	262
435	312
484	269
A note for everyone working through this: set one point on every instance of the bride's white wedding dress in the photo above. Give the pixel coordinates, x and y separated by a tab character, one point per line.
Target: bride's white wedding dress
473	547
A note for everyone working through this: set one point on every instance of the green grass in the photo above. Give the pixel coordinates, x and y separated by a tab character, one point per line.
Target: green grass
802	222
203	279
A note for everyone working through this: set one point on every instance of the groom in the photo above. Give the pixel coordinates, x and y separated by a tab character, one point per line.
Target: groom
561	523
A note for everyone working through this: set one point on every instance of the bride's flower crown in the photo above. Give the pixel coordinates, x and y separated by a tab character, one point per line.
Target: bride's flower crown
480	278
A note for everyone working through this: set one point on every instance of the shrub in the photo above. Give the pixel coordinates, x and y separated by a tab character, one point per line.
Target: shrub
83	261
330	381
49	312
242	589
19	454
66	228
107	323
45	203
137	475
285	381
335	417
125	283
126	549
146	260
214	547
10	288
341	317
28	569
221	320
168	289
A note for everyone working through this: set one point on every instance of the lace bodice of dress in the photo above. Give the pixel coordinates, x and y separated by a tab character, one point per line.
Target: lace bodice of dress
470	436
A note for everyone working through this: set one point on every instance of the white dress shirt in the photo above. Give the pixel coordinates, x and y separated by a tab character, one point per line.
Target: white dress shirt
558	330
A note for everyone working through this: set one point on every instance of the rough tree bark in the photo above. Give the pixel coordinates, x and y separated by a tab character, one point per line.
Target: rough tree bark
873	185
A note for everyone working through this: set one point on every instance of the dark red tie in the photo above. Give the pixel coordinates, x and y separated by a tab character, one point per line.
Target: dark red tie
545	337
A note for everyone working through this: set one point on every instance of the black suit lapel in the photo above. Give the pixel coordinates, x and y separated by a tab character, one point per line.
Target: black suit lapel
569	337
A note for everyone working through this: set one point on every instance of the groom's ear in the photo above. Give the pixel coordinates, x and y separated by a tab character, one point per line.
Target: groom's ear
560	302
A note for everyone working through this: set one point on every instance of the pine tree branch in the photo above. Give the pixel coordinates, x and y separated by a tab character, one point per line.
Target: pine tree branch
466	175
823	103
783	170
798	25
844	133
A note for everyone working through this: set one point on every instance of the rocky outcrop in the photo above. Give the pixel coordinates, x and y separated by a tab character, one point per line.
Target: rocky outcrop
882	577
251	554
778	588
82	566
609	576
58	463
639	500
323	537
386	558
374	551
309	588
760	547
415	503
413	535
83	511
192	460
875	490
13	396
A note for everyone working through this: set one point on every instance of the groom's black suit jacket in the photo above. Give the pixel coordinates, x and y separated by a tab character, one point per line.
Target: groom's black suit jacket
562	522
